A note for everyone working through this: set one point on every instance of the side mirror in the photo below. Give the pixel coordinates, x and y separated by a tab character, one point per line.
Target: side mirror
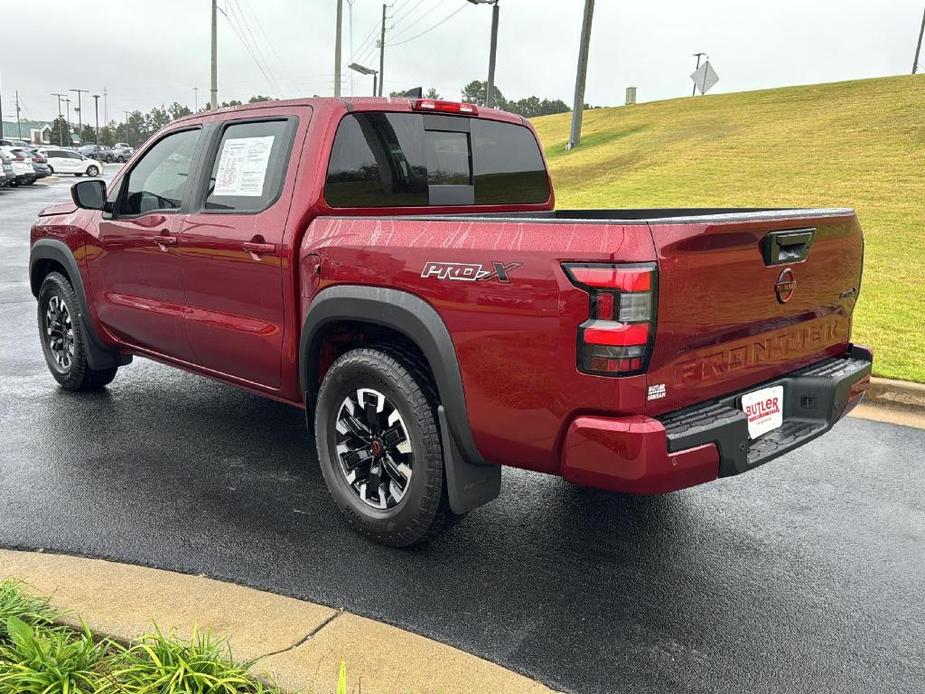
89	195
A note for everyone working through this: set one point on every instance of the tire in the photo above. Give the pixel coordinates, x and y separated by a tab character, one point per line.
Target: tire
409	449
62	338
52	170
93	171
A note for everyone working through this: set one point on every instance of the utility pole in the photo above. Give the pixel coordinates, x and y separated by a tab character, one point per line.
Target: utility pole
337	37
105	105
60	131
918	49
67	107
213	90
698	56
96	110
1	114
127	133
18	123
196	98
382	51
490	87
350	31
579	104
80	123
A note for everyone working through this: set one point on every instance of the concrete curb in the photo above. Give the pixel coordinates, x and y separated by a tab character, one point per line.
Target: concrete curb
296	644
900	394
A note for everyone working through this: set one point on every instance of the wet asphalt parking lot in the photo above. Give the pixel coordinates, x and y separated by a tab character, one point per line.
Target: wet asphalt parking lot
805	575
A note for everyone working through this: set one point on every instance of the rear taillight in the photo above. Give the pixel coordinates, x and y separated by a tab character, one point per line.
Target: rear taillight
445	107
38	159
616	339
18	156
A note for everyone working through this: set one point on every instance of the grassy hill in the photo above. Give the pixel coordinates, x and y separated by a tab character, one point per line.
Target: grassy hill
851	144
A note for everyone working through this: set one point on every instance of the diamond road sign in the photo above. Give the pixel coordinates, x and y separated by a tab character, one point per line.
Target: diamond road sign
705	77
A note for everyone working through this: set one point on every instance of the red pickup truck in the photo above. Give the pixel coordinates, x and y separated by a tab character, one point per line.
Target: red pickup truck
398	269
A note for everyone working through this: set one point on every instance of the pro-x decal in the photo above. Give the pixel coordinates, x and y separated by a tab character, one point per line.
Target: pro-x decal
657	392
469	272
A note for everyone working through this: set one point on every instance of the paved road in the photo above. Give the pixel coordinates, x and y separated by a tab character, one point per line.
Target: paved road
806	575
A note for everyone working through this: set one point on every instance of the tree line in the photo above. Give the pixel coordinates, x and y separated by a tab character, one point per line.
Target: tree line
138	127
529	107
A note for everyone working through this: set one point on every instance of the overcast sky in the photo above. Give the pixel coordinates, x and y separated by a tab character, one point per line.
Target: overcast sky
152	52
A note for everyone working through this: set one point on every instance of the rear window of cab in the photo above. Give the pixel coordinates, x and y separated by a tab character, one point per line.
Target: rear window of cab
416	160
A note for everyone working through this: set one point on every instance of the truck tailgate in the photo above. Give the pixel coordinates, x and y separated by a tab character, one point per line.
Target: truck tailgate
746	298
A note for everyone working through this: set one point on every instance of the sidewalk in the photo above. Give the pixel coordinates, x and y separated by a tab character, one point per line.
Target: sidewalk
894	402
297	644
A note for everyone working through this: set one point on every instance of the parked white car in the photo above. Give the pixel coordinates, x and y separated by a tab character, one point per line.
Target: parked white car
65	161
22	165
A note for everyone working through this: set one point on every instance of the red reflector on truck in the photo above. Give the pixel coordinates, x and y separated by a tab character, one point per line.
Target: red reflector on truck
445	107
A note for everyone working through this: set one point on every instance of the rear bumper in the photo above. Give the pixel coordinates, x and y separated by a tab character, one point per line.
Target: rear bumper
644	455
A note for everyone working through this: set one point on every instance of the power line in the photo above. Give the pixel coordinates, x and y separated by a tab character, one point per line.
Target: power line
233	24
427	31
267	42
242	21
418	19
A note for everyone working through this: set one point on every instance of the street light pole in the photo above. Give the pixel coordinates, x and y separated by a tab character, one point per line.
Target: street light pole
60	131
67	108
80	124
698	56
96	110
18	122
579	103
356	67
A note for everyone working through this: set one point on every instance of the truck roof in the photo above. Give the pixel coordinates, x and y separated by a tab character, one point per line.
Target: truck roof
354	104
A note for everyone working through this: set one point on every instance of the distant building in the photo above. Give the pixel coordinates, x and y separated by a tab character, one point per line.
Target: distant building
37	132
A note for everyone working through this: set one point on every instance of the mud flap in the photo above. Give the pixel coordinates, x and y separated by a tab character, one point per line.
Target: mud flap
468	485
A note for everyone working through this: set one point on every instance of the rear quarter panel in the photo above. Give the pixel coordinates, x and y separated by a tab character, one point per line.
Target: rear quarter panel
516	341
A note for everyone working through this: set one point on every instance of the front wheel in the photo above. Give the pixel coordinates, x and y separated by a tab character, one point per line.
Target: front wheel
63	342
379	447
92	171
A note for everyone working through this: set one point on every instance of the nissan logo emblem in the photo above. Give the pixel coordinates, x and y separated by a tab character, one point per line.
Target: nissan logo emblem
785	285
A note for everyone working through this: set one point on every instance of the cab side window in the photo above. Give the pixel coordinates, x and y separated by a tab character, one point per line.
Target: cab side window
160	179
249	166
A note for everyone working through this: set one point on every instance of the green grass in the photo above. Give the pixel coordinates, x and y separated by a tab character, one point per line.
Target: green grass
852	144
39	657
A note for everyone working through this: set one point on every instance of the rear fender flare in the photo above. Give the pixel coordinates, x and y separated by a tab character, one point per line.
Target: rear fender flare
471	481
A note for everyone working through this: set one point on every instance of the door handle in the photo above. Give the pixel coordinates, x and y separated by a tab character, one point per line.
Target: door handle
163	241
257	248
